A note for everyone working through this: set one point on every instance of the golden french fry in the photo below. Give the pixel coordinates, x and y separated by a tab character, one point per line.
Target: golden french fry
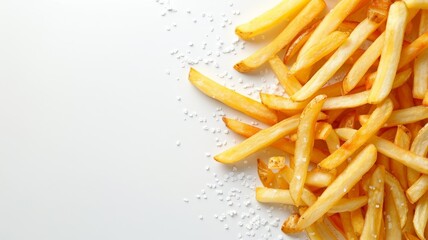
266	176
418	189
357	218
392	221
276	162
423	4
304	144
367	130
324	231
421	216
412	50
313	233
286	9
347	226
390	56
402	116
419	147
285	145
285	105
339	187
402	139
231	98
319	50
420	143
298	42
378	10
362	65
287	80
373	218
348	204
400	79
270	195
321	77
347	101
315	178
398	197
333	142
305	17
420	80
289	226
391	150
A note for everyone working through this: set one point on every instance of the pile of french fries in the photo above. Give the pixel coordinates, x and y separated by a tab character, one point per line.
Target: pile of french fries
354	151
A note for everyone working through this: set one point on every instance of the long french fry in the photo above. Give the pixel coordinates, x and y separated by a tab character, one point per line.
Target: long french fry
402	116
305	17
298	42
287	80
390	56
231	98
402	139
421	216
375	122
347	101
339	187
373	218
321	77
391	150
285	105
319	50
398	197
420	80
284	10
392	221
304	144
285	145
417	4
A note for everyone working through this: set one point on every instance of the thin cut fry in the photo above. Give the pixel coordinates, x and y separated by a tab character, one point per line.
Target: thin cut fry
402	139
420	80
391	150
402	116
304	144
305	17
284	10
400	79
321	77
398	197
347	101
289	226
392	221
298	42
348	204
320	50
388	64
339	187
418	189
287	80
375	122
412	50
231	98
285	105
421	216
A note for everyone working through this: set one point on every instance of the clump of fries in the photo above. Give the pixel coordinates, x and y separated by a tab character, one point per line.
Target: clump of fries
356	148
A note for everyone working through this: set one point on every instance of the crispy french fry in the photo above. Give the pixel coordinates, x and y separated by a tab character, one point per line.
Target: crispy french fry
349	26
284	10
373	218
347	226
298	42
420	80
400	79
315	178
339	187
285	105
362	65
304	144
418	189
378	10
423	4
347	101
319	50
357	219
231	98
402	139
377	120
285	145
421	216
332	90
289	226
271	195
336	61
391	150
402	116
305	17
322	130
420	143
398	197
266	176
348	204
390	56
287	80
276	162
392	221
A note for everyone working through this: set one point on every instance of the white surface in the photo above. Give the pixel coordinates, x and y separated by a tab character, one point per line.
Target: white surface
89	120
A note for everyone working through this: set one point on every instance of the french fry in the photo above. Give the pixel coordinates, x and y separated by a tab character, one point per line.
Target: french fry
347	101
421	216
339	187
333	142
392	221
271	195
362	65
276	162
305	17
398	197
413	50
349	26
319	50
289	226
400	79
334	220
307	196
332	90
315	178
304	144
285	105
231	98
298	42
357	218
402	139
390	56
336	61
312	233
418	189
402	116
391	150
287	80
334	114
347	226
375	122
423	4
284	10
348	120
348	204
373	218
378	10
266	176
324	231
285	145
410	236
420	143
420	80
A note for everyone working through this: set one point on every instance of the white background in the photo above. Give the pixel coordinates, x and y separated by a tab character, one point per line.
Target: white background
92	106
